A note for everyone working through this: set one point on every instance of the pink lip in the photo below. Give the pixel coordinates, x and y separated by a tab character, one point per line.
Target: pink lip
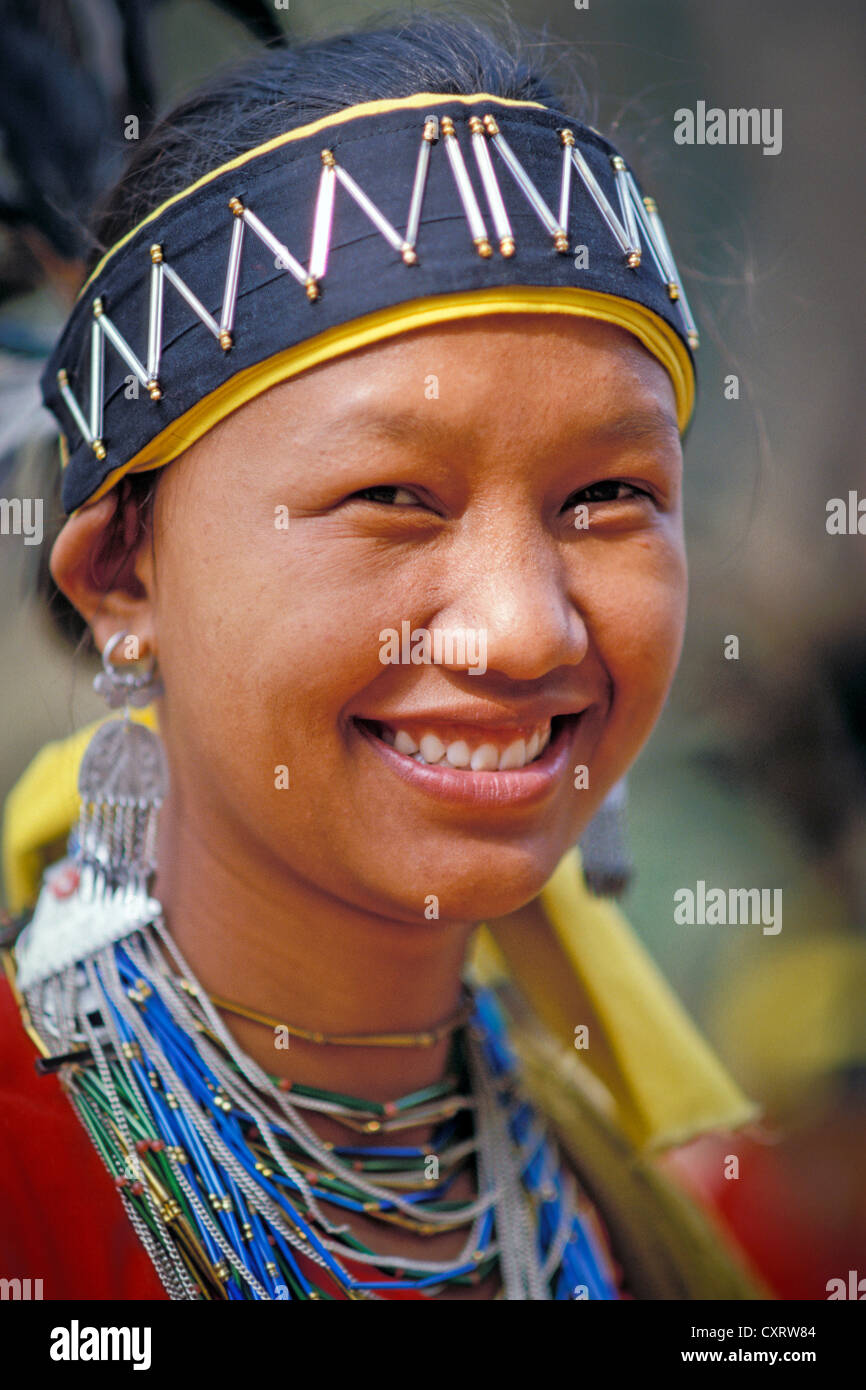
518	787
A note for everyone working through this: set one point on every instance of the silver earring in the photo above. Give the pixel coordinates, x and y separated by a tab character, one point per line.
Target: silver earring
607	862
122	782
120	688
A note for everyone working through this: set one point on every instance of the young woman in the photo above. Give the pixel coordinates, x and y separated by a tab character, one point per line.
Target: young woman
371	414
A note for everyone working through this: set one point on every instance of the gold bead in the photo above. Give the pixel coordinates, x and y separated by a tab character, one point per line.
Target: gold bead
694	339
560	240
506	246
673	290
476	125
567	137
328	159
156	253
447	125
409	256
633	259
222	1271
225	339
155	392
236	206
617	161
312	288
490	125
98	308
430	129
63	377
98	448
483	247
650	204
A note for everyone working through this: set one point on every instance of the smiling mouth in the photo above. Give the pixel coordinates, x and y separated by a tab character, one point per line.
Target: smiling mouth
463	748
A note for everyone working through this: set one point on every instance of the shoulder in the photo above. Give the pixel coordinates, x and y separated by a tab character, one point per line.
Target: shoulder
61	1221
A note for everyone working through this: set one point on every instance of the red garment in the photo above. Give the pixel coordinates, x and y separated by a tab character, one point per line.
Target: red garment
61	1218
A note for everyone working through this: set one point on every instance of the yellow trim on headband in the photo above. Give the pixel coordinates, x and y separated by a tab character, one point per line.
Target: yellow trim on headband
652	331
349	113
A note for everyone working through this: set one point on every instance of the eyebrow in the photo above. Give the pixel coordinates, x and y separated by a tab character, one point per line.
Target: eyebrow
638	426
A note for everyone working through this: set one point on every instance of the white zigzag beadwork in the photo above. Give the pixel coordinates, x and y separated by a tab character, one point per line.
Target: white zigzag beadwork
637	225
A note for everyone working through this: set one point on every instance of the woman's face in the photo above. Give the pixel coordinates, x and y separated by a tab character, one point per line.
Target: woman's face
515	480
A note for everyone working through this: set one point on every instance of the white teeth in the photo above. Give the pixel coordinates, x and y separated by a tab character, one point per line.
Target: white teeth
432	748
514	755
485	758
458	753
488	757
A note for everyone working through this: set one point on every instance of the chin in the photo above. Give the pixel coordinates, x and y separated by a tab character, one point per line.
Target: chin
492	883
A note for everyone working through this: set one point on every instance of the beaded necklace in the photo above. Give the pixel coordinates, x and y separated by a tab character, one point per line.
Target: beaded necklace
235	1196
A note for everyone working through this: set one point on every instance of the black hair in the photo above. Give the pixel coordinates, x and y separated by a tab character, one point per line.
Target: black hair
285	86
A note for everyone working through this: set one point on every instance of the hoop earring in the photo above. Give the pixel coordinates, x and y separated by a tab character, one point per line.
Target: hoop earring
125	688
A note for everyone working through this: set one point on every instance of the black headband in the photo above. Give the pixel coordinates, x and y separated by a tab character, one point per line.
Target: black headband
307	246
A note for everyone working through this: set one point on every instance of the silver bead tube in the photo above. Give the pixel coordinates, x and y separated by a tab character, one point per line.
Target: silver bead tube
154	324
596	192
492	190
430	135
264	234
192	300
230	290
464	188
72	405
323	217
97	376
626	211
668	256
391	235
567	139
525	184
119	342
648	236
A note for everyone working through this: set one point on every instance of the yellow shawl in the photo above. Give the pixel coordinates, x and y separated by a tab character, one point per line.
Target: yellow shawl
574	956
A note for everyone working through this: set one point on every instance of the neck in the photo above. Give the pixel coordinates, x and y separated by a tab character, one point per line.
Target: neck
259	936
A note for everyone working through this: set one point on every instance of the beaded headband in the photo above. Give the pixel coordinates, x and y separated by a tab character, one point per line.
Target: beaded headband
204	305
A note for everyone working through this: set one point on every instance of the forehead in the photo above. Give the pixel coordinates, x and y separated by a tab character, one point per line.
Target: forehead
504	377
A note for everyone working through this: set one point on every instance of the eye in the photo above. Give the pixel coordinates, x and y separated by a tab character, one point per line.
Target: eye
609	490
386	494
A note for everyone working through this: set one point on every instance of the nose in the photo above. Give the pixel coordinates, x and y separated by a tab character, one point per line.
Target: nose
517	592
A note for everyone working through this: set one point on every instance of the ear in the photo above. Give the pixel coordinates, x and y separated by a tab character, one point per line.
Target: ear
103	562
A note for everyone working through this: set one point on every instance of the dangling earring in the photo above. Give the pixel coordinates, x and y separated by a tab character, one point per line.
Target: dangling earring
122	782
607	862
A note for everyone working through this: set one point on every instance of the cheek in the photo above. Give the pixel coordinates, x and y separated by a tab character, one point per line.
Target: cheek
638	621
266	633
